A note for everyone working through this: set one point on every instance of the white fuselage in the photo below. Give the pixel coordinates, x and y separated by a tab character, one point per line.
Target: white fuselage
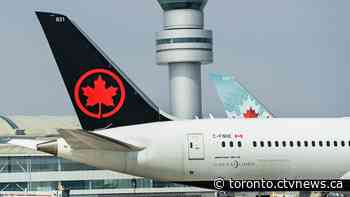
232	148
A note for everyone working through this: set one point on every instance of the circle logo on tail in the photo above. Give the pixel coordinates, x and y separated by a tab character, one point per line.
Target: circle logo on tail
99	93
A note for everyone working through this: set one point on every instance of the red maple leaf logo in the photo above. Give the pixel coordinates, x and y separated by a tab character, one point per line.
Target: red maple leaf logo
250	113
99	94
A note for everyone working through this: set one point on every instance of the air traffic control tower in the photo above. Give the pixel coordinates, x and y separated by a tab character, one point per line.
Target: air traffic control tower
184	45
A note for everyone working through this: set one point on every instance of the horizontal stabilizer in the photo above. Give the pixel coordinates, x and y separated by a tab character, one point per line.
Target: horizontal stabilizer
80	139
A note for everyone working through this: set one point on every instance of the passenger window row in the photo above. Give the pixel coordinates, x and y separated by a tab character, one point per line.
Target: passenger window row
231	144
305	143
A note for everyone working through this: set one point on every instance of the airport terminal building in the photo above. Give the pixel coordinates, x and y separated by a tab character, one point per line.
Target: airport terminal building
25	170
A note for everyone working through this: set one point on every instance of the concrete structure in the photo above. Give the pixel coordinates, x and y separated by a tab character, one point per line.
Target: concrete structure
184	46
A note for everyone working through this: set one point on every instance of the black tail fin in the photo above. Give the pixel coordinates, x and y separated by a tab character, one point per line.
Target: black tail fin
101	93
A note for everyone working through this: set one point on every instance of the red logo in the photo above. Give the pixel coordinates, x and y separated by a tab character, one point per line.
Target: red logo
250	113
102	92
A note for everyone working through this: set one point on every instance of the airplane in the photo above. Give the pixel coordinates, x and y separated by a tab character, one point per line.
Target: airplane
123	131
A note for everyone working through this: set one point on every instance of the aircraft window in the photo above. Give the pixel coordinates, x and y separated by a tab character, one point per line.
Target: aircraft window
254	143
342	143
231	144
335	143
349	143
276	143
291	143
306	143
269	143
298	143
261	143
239	143
191	145
223	144
313	143
284	143
320	143
328	143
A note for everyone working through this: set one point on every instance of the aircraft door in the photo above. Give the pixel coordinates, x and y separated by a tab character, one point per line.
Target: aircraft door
195	144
